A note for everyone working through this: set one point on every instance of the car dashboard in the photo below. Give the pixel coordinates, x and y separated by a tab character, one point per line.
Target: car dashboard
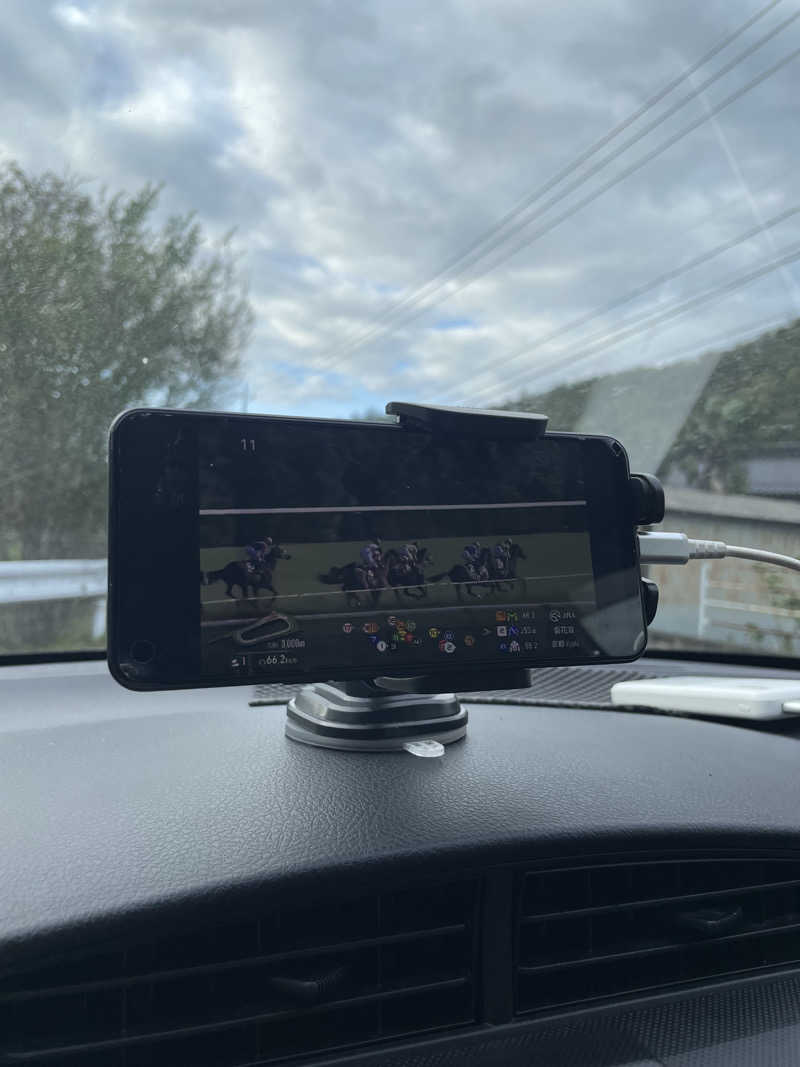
183	885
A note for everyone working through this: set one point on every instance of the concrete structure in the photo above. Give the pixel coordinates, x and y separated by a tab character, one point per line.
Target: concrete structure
730	603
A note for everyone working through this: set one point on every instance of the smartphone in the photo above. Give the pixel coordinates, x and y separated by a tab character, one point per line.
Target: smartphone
246	549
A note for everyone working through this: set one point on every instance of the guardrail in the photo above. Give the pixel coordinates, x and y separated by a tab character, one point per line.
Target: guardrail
39	580
52	579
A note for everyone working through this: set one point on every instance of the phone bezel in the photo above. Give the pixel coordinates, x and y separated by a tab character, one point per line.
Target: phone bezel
613	543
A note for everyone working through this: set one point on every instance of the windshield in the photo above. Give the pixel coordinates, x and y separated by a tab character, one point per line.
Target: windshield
588	210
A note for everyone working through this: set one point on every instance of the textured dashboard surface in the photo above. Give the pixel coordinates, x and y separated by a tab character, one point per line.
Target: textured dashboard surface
570	687
114	802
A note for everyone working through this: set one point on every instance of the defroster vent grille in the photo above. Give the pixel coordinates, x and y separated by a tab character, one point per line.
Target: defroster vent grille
336	975
586	933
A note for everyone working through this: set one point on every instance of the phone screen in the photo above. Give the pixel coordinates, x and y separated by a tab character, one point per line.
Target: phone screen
324	549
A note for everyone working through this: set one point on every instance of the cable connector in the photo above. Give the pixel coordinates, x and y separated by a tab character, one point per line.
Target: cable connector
658	547
661	547
664	548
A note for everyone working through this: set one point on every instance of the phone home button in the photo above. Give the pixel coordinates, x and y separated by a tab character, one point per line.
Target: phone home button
142	651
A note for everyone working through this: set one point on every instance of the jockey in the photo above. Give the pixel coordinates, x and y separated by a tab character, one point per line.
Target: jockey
257	552
501	557
408	556
370	561
471	555
371	556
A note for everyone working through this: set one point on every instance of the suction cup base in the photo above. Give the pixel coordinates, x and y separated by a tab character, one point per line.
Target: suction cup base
360	717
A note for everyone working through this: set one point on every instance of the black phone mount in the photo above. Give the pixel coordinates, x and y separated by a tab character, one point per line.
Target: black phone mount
385	713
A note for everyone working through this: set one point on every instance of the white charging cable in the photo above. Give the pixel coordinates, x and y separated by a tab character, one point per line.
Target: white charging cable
658	547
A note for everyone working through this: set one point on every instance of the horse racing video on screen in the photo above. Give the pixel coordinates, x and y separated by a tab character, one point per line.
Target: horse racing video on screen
375	572
314	566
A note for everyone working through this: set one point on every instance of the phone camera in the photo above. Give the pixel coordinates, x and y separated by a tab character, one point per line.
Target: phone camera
142	651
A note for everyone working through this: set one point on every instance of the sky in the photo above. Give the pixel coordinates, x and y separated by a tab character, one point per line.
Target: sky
358	149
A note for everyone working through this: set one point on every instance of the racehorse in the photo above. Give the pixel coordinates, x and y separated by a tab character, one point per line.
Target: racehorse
237	573
515	553
506	572
410	576
461	577
355	578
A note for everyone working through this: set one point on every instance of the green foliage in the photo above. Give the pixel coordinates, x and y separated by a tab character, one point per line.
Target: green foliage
372	414
563	405
99	310
749	403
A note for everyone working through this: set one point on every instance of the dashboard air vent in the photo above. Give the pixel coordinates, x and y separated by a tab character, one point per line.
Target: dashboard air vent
338	974
585	933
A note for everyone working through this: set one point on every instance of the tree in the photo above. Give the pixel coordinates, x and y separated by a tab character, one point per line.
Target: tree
749	404
563	405
100	309
372	414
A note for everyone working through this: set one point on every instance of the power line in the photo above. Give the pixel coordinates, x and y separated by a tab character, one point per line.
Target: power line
741	333
658	150
474	254
730	211
582	158
621	176
476	394
630	329
727	150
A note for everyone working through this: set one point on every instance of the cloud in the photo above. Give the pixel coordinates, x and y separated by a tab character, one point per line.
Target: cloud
359	147
72	16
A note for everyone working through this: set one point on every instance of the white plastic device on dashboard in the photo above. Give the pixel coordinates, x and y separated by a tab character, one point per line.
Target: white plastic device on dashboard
727	698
